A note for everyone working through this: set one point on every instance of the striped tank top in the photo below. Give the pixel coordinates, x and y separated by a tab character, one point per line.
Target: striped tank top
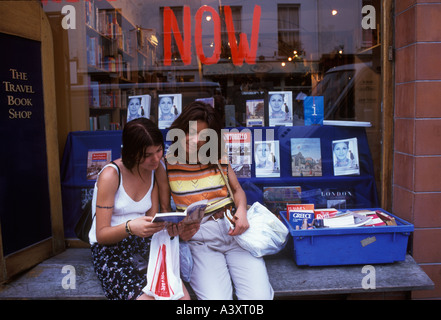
190	183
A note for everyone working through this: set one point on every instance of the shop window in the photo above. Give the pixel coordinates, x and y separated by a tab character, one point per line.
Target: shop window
308	48
178	14
236	12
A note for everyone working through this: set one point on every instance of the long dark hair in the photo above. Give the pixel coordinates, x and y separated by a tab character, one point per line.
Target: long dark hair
137	136
199	110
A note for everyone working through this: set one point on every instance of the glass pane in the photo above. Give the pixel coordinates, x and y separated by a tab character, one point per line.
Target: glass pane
239	50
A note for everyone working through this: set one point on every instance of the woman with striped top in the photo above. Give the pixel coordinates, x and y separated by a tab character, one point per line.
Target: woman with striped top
220	264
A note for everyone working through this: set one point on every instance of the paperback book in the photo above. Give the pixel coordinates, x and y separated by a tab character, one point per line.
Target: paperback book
96	160
300	215
277	198
280	108
338	198
194	213
347	220
306	158
138	107
325	213
267	159
169	108
345	157
255	115
238	148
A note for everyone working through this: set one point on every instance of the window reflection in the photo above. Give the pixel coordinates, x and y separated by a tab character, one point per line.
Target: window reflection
119	49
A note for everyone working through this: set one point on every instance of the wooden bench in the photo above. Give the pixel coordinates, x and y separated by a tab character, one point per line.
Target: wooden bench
45	281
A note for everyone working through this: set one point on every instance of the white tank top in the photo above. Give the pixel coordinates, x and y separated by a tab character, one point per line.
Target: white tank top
125	208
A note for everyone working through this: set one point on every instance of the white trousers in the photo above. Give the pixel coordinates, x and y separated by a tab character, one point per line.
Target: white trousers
220	263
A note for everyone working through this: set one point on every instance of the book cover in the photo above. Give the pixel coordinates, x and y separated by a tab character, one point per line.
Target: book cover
267	159
96	160
345	157
325	213
255	114
170	217
238	148
338	198
313	110
169	108
277	198
138	107
388	219
280	108
300	215
194	213
306	157
376	221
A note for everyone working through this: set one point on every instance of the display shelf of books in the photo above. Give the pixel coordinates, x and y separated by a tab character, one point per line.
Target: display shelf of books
330	166
146	43
109	60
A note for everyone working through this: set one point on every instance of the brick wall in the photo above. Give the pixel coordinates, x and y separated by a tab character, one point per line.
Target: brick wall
417	131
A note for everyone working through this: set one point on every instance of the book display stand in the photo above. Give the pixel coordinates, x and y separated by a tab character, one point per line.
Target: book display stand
351	191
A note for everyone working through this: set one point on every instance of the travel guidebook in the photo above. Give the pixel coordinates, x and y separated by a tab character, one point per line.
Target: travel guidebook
255	113
194	213
338	198
276	198
306	158
238	148
96	160
300	215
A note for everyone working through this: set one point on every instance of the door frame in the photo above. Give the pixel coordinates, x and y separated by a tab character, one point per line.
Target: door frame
27	19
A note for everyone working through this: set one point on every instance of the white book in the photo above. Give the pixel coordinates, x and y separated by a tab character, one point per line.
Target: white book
194	213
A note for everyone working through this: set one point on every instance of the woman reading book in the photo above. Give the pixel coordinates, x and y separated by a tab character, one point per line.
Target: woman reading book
125	198
219	262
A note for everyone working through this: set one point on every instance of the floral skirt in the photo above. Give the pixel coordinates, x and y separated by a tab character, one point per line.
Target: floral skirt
119	278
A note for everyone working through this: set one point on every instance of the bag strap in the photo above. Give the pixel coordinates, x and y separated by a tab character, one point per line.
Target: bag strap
119	172
226	181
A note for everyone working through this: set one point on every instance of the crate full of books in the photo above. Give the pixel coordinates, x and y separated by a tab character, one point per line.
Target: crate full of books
325	237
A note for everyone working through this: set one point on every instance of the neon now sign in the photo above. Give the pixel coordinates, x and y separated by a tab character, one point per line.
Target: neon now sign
240	50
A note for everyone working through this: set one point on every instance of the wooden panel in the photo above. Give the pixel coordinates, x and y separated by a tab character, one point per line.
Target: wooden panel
47	54
26	19
27	258
21	18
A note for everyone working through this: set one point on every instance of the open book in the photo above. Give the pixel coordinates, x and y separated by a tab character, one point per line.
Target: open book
348	220
194	213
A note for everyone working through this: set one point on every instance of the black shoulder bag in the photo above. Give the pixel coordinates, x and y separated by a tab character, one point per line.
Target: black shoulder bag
84	223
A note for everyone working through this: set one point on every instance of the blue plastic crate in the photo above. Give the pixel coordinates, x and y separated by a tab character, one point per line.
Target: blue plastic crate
349	246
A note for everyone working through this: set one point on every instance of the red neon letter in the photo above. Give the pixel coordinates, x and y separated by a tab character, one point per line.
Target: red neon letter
184	47
244	51
198	35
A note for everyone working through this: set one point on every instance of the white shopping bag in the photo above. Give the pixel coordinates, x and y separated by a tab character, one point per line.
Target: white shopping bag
163	279
266	235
